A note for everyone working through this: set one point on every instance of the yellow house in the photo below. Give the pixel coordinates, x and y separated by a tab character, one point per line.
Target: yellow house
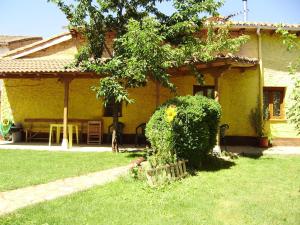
38	86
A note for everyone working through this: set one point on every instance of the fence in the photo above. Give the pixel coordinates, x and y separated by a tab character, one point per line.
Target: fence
166	173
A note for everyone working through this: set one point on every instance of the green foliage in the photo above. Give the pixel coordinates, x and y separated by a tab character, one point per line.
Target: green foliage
148	42
257	122
145	39
5	126
292	43
110	89
190	135
293	112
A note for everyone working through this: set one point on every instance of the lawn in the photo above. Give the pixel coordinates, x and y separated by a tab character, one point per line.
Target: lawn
253	191
23	168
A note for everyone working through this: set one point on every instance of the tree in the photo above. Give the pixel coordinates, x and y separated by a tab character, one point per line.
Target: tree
148	43
292	44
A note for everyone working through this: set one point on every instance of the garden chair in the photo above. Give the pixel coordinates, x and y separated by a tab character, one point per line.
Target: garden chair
223	129
140	137
120	129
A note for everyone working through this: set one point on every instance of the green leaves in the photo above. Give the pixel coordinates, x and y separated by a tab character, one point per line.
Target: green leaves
147	42
109	88
292	43
190	135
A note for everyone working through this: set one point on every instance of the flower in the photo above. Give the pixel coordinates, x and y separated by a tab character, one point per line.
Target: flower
5	122
171	113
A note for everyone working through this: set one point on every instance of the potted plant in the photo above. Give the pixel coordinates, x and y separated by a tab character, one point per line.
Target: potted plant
5	127
258	124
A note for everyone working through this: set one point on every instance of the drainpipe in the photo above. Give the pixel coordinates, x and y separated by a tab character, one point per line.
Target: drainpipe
261	70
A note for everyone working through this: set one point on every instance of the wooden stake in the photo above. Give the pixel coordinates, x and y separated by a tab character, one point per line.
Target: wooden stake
65	119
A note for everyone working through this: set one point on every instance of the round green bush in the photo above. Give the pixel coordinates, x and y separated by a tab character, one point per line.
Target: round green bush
189	132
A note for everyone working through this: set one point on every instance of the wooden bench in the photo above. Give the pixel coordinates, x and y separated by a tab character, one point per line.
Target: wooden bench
35	125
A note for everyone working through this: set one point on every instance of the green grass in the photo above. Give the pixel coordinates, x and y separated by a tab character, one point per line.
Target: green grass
254	191
24	168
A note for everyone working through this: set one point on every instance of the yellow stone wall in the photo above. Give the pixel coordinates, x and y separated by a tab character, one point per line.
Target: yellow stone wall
250	48
44	99
23	98
275	60
239	94
65	50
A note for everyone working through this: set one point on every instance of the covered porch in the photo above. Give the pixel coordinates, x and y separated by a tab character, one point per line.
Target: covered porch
65	103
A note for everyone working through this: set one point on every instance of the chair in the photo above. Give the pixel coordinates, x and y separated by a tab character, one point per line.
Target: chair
94	132
223	129
120	129
140	134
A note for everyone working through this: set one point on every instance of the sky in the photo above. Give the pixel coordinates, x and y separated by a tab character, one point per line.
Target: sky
40	18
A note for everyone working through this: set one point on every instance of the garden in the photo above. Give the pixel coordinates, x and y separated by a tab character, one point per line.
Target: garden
250	191
20	168
218	189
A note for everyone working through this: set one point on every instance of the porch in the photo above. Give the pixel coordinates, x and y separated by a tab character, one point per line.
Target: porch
46	89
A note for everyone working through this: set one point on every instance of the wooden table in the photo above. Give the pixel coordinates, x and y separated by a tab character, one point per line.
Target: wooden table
35	123
58	126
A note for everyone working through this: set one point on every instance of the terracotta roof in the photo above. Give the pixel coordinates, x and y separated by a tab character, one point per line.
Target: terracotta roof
229	59
262	25
35	66
13	66
8	39
221	20
240	59
37	44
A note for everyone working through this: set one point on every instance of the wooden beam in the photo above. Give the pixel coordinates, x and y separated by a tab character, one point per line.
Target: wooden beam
217	71
217	88
65	115
217	76
77	75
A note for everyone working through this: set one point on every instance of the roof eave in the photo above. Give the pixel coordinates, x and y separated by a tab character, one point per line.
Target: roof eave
263	27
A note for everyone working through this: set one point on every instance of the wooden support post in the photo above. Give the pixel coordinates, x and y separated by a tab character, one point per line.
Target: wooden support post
217	73
64	143
217	99
217	89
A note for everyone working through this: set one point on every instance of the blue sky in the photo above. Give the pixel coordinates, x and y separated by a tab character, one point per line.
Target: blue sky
38	17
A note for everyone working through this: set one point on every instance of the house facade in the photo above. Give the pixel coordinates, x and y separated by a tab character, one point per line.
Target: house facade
37	83
9	42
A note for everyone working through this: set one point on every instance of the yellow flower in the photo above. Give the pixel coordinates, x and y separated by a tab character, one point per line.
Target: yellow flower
171	113
5	122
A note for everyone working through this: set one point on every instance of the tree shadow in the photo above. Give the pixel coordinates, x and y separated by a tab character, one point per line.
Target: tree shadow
212	164
251	155
135	153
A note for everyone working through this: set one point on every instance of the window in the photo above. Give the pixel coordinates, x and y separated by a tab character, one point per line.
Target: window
207	91
108	109
273	107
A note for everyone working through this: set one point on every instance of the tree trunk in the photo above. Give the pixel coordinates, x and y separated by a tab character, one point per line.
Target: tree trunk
114	139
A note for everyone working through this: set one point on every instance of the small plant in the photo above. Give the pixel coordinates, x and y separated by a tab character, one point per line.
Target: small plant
257	122
5	126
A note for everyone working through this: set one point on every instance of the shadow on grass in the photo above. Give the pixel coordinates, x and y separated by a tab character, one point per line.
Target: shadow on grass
212	164
251	155
135	153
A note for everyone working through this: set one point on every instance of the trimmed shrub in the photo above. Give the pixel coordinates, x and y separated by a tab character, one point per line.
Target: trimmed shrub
184	127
